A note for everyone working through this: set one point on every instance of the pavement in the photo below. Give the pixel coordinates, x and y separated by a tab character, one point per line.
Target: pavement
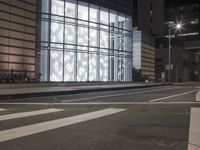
12	91
146	118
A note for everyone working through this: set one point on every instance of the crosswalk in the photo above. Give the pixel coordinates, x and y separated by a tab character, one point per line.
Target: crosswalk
28	114
43	126
2	109
194	131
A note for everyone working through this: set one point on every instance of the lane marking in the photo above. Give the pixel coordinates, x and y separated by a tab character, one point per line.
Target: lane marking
194	131
173	96
54	124
2	109
198	97
105	103
28	114
116	95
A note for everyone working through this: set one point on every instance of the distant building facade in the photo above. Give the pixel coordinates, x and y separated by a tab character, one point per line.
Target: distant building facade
144	55
153	18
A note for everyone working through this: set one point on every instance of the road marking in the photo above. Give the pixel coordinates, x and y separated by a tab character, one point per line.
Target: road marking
198	97
28	114
172	96
194	132
106	103
2	109
54	124
116	95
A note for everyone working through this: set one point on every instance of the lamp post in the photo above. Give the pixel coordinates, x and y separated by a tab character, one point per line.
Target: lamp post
170	27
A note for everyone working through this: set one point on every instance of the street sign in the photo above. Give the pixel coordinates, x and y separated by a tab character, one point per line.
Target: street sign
167	67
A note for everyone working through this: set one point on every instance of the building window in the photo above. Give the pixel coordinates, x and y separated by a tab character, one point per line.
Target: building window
87	43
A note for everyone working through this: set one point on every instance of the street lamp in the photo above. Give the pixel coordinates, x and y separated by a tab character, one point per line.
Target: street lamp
170	27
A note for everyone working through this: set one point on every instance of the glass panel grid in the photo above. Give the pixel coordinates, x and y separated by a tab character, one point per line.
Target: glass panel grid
87	43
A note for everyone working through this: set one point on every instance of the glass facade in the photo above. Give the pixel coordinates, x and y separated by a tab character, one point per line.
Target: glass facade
84	42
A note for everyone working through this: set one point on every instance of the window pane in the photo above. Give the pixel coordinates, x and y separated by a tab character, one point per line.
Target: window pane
93	37
69	66
104	16
70	8
113	19
58	7
56	65
82	36
128	23
122	21
93	66
82	66
70	34
56	32
83	10
104	39
94	13
103	68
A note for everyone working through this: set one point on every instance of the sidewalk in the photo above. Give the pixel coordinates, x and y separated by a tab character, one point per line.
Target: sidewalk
12	91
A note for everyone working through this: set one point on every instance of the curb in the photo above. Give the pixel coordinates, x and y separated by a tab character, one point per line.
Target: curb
76	91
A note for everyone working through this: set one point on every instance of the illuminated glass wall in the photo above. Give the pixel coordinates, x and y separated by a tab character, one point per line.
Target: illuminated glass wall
84	42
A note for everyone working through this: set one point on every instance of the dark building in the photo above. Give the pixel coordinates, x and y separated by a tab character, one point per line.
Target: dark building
154	17
66	40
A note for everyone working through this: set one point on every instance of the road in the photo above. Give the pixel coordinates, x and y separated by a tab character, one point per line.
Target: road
154	118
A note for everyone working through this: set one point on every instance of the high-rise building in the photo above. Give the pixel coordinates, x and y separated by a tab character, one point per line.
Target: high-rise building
66	40
154	18
144	55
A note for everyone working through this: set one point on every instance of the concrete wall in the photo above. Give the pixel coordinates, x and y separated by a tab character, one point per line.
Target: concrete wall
17	36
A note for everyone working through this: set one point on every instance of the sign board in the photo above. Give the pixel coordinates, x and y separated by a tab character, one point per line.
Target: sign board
171	67
163	76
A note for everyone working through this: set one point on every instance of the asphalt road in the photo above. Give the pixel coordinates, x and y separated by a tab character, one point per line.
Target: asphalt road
156	118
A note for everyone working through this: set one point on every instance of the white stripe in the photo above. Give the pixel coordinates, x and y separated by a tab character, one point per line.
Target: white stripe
50	125
105	103
116	95
2	109
28	114
172	96
194	132
198	97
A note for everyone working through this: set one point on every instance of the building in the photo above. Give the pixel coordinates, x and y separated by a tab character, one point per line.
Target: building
153	19
144	55
17	38
66	40
185	43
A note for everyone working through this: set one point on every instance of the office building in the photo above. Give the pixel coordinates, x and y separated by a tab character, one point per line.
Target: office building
82	41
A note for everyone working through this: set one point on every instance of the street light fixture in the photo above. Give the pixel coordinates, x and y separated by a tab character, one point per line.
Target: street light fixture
178	26
171	26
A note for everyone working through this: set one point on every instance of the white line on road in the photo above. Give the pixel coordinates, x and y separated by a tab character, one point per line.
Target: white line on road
173	96
194	132
2	109
198	97
107	103
54	124
28	114
116	95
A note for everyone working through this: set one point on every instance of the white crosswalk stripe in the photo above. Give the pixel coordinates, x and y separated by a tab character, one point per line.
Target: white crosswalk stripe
28	114
194	132
2	109
18	132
